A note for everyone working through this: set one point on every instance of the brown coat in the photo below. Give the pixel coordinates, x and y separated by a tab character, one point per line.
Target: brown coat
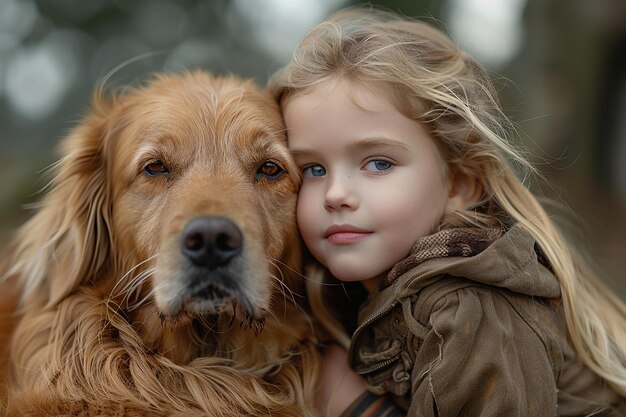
480	335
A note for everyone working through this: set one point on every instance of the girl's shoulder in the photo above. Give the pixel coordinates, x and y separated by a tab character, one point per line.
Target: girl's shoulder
431	333
457	333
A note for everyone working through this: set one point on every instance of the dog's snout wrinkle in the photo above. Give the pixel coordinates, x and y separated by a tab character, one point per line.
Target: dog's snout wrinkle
211	242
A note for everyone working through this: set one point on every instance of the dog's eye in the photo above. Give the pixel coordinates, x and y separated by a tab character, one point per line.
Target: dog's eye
156	168
269	170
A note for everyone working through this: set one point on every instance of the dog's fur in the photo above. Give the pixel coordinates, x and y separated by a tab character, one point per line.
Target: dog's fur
112	318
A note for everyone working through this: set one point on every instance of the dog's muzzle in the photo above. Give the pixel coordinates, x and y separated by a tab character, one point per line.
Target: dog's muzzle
213	247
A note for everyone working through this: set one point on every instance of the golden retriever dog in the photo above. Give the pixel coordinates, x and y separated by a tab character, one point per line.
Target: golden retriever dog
159	275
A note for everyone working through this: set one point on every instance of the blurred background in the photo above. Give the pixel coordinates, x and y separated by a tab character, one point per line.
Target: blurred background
560	67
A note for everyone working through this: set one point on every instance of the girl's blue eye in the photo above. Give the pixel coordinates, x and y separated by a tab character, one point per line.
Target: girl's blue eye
378	165
314	171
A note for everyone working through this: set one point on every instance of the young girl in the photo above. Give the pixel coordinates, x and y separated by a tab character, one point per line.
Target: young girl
476	304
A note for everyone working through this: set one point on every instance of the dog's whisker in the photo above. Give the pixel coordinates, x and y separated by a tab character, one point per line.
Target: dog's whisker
294	271
282	286
137	281
272	314
281	281
142	301
130	271
305	314
136	301
305	277
134	287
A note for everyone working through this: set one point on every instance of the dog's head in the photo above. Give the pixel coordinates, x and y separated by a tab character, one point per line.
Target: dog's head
181	192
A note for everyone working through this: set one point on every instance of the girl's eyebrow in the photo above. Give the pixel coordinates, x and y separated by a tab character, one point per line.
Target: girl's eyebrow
360	145
377	142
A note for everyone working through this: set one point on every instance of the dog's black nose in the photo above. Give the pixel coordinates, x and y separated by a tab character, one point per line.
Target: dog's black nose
211	241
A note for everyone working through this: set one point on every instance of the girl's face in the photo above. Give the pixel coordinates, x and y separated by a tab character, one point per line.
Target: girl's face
373	181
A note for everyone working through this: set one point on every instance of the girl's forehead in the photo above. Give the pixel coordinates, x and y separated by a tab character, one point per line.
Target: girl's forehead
372	96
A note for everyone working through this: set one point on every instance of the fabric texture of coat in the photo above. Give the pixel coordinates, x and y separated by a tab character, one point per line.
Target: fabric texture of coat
471	324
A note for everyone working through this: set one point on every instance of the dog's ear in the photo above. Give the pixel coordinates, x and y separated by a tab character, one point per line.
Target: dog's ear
68	241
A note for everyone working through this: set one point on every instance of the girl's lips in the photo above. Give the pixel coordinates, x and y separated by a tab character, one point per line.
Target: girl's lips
344	234
344	238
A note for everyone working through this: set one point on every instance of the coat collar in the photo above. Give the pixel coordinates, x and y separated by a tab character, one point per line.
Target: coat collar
512	261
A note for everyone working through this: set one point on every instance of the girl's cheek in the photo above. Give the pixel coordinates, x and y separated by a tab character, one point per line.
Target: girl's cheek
304	211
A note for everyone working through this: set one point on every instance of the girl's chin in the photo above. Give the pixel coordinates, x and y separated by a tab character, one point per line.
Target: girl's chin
369	282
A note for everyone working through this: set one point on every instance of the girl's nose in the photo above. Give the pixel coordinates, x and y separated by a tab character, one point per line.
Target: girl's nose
340	195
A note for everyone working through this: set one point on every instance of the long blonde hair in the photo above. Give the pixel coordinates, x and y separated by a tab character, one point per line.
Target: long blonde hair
444	89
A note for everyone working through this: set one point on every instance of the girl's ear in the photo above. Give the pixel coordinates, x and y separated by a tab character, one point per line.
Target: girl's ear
465	191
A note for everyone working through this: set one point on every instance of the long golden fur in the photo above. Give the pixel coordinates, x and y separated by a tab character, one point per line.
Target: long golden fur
115	316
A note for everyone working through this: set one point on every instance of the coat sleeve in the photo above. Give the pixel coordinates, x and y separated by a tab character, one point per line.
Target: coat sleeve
480	358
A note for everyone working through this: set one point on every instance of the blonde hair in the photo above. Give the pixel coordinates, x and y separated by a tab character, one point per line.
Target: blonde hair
444	89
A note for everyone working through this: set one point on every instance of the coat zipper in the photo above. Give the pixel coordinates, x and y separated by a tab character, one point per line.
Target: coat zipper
375	317
386	362
378	365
